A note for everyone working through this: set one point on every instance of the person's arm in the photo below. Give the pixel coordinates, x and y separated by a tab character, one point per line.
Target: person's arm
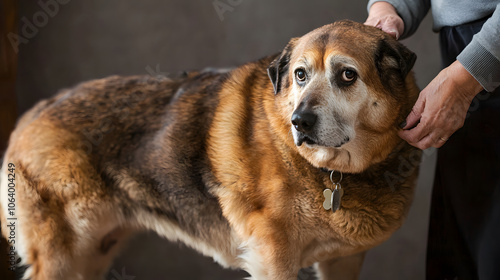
442	105
481	57
412	12
441	108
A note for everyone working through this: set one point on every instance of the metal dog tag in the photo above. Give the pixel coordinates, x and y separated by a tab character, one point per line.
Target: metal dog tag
336	201
333	199
327	193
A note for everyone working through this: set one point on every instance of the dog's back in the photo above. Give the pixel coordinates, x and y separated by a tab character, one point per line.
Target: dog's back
108	157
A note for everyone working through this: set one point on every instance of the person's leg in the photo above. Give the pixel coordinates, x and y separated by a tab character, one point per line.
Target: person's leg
465	195
484	169
489	246
445	245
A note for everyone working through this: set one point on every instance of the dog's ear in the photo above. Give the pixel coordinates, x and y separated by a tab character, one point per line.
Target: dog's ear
279	66
393	58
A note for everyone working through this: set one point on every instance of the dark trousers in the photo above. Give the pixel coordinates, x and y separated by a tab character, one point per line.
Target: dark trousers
464	227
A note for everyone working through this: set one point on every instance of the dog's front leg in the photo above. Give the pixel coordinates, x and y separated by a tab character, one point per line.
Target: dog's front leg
342	268
268	260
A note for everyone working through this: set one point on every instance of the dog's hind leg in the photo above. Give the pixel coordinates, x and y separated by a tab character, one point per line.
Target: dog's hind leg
64	239
48	260
343	268
38	231
94	261
61	231
68	224
60	246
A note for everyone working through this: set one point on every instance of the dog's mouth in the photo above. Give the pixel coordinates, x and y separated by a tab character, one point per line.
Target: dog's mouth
346	139
303	138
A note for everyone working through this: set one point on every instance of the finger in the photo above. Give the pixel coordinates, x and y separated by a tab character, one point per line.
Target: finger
440	140
424	143
372	22
413	136
416	113
391	30
417	133
429	141
393	25
385	25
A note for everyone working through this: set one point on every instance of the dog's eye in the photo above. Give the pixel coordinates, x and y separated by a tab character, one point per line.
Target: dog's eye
300	74
348	75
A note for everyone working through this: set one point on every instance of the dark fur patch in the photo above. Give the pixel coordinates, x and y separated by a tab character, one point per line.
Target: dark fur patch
278	68
393	76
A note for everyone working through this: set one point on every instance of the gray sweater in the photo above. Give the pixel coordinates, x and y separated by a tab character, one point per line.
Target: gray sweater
482	56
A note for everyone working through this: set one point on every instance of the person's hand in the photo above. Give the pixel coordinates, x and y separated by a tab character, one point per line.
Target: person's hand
383	16
441	108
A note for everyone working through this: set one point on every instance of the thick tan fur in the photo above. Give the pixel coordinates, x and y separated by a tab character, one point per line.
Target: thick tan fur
211	159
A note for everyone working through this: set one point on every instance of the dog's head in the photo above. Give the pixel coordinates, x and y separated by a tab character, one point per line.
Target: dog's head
343	89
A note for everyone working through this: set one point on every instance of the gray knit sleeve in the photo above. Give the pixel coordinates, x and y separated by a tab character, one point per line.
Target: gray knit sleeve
411	11
482	56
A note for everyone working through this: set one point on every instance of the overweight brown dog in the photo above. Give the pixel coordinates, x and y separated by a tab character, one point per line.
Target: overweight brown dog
236	165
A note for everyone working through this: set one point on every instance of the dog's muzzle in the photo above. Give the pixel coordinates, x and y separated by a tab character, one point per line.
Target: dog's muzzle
304	122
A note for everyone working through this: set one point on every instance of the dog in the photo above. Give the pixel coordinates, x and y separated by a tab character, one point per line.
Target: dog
279	164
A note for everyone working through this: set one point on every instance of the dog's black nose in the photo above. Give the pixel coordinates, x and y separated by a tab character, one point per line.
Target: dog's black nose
304	121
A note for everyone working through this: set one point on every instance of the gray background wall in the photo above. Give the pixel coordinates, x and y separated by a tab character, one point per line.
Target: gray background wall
87	39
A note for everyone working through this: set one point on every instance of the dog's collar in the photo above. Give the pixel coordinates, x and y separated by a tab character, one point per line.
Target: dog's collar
325	170
333	197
